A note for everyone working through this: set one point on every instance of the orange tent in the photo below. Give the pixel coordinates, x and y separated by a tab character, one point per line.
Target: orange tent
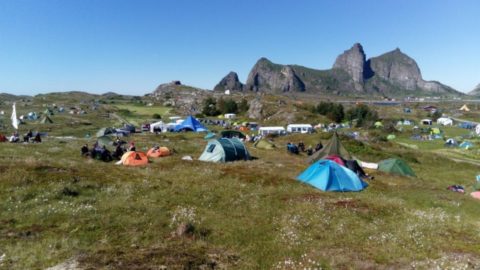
132	158
160	152
243	128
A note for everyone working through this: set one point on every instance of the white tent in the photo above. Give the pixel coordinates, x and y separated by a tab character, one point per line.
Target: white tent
464	108
444	121
158	127
426	122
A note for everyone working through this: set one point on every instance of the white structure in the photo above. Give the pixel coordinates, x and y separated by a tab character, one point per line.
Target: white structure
271	130
444	121
227	92
426	122
300	128
477	129
158	127
230	116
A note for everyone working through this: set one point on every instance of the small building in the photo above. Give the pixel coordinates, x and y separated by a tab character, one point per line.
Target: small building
230	116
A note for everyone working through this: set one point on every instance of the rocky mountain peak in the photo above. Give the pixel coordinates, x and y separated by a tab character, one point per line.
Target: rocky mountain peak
229	82
353	61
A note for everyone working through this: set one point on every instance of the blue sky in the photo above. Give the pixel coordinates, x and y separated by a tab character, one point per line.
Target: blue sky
131	46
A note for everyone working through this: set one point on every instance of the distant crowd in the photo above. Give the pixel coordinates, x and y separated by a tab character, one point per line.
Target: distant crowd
296	149
27	138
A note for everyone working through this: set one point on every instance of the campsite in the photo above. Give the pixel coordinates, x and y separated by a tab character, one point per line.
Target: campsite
248	212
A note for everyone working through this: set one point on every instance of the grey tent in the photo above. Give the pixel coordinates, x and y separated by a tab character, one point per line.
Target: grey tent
332	147
225	150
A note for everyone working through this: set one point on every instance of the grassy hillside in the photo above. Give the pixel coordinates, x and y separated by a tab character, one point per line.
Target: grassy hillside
56	206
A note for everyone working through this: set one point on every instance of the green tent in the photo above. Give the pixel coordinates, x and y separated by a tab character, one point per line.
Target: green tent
378	124
225	150
332	147
104	141
46	120
48	112
105	131
264	144
391	137
395	166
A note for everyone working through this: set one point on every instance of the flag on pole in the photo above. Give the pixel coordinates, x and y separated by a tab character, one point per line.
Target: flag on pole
14	117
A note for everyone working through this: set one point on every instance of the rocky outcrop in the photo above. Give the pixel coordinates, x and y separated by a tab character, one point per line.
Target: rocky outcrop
229	82
255	109
353	61
266	76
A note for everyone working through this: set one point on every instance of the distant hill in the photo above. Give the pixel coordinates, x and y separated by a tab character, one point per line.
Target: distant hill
391	74
475	92
10	97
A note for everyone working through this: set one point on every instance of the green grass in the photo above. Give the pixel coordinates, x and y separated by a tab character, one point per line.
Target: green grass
56	206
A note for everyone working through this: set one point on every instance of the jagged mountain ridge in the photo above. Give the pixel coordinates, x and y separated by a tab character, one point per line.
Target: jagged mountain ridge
393	73
476	91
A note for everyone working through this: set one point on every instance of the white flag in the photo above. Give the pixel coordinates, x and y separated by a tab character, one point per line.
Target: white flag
14	117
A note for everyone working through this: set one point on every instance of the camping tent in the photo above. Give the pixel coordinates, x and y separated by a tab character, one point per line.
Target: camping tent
451	143
465	108
106	131
190	124
391	137
477	129
158	127
329	176
466	145
378	124
225	150
46	120
444	121
104	141
158	152
395	166
48	112
426	122
32	116
209	136
232	134
467	125
132	158
332	147
264	144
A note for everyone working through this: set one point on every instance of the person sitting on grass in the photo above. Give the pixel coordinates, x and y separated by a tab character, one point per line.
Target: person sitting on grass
301	146
27	136
14	137
132	147
37	138
118	153
84	150
106	155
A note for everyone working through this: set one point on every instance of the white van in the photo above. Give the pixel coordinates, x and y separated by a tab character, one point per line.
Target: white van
299	128
271	130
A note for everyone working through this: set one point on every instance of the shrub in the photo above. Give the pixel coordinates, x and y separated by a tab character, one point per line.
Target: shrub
156	116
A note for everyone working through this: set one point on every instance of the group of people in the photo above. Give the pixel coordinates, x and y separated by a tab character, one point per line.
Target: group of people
101	152
29	137
296	149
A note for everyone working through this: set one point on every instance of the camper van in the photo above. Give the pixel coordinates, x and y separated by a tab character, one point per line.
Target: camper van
271	130
299	128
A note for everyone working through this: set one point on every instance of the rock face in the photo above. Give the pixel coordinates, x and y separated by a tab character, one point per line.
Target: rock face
476	91
229	82
397	68
266	76
353	61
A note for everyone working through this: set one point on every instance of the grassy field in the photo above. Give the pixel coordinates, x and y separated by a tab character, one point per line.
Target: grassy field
57	207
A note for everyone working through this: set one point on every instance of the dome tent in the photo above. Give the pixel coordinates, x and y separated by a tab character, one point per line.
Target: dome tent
327	175
395	166
225	150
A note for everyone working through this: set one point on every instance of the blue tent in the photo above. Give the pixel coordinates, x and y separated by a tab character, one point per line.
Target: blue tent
467	125
466	145
329	176
190	124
